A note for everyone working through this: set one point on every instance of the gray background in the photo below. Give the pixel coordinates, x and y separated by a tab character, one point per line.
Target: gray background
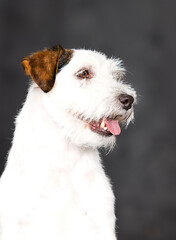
143	34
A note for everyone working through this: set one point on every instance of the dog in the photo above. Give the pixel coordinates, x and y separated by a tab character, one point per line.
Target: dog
54	186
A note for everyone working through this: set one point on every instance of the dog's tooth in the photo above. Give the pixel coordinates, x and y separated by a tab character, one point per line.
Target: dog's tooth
102	124
105	128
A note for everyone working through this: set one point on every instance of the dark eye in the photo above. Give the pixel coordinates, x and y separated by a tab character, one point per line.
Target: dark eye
83	74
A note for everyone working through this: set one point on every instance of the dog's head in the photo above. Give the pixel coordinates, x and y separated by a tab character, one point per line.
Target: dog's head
85	93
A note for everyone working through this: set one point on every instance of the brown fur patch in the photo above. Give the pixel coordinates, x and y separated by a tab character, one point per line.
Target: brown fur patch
42	66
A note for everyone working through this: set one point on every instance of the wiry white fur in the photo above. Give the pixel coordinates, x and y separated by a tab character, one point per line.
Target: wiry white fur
54	186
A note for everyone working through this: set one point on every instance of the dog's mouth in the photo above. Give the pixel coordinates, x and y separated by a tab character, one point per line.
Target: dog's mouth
105	127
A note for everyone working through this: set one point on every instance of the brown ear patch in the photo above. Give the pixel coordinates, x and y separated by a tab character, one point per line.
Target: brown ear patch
42	66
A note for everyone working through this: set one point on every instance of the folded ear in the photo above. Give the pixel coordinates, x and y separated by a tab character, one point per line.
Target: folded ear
42	66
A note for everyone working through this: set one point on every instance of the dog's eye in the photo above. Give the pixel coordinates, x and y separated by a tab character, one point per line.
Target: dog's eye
83	74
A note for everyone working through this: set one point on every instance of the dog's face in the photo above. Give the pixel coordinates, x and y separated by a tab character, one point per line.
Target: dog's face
87	97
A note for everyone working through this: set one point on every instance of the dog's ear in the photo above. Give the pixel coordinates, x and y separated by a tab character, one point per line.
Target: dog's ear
42	66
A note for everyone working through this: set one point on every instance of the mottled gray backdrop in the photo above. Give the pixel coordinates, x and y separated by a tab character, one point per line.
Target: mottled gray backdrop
141	32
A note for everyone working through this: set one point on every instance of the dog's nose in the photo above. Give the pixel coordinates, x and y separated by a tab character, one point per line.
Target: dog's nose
126	101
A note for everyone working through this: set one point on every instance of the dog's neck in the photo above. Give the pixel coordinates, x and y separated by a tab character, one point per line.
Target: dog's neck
40	131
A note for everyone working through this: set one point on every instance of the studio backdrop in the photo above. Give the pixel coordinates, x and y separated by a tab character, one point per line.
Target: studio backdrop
143	34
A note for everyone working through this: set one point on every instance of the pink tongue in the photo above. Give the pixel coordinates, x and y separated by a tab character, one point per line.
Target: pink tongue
113	126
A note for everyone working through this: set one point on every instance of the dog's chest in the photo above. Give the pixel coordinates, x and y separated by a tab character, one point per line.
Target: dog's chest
65	193
71	181
77	182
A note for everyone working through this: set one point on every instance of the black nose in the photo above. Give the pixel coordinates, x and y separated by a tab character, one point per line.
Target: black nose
126	101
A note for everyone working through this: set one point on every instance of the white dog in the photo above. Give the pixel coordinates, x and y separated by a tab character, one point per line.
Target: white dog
54	186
